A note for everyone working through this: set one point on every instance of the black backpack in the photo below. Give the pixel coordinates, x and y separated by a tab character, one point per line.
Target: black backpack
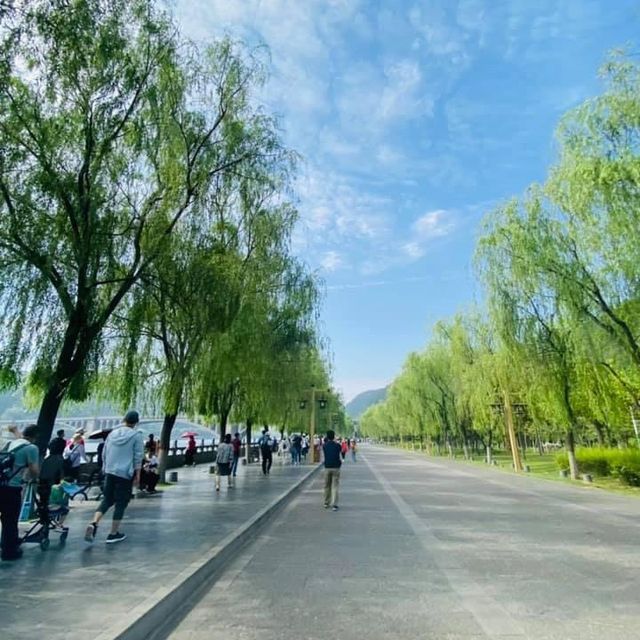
7	462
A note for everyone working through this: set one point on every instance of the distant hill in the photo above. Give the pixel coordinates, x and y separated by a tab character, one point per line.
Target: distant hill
364	400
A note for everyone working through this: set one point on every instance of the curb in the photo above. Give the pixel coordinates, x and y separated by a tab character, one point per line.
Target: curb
158	614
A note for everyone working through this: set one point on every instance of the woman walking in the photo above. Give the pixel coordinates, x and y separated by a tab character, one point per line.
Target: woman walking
223	461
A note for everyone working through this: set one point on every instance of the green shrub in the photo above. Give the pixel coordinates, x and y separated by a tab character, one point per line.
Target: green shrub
626	467
623	464
596	461
562	460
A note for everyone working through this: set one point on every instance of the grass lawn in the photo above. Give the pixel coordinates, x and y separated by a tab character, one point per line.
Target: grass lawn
544	466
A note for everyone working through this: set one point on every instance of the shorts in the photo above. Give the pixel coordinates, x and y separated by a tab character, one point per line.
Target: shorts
224	468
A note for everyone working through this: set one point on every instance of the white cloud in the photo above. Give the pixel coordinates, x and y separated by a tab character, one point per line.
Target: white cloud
433	224
332	261
414	250
332	204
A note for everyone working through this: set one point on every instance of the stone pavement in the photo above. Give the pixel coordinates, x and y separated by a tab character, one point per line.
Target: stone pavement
433	549
76	591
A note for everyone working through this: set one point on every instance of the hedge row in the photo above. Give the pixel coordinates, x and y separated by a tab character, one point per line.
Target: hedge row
618	463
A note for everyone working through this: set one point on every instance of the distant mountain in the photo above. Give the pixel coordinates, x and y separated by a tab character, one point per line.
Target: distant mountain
364	400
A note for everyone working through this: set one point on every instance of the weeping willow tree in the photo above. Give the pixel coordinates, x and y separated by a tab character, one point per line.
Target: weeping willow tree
112	133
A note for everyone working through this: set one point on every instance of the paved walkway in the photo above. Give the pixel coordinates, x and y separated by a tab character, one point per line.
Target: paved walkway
72	592
434	550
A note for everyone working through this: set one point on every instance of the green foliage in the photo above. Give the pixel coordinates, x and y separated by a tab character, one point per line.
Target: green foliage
560	336
141	204
618	463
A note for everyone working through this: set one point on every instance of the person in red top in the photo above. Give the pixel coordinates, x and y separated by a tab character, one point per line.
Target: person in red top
344	447
236	443
190	453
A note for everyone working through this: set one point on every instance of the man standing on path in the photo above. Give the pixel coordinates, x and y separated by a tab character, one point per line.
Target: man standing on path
332	464
24	455
296	448
266	451
122	459
236	443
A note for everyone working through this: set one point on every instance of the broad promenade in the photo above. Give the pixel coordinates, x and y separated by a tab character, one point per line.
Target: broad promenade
432	549
79	592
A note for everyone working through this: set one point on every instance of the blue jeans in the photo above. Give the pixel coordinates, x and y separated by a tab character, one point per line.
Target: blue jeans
234	465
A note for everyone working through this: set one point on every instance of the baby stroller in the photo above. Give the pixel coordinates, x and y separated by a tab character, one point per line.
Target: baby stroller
50	517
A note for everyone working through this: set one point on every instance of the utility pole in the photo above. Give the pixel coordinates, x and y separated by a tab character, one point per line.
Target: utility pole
312	425
513	441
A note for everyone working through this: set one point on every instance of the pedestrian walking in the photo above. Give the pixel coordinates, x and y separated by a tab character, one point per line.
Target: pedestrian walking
19	462
353	449
190	453
224	458
305	447
236	443
296	448
122	461
344	447
332	464
266	451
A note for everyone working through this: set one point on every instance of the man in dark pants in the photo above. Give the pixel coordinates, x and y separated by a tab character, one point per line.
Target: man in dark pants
25	455
332	463
236	443
122	460
266	451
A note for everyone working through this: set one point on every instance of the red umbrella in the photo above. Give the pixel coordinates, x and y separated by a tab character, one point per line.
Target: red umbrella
188	434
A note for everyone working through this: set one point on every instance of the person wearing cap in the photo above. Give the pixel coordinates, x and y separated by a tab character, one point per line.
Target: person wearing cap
25	462
122	461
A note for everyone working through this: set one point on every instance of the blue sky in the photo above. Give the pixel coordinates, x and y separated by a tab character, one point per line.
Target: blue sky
413	118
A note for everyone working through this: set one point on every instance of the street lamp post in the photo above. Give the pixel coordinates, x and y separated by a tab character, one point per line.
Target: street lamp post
322	401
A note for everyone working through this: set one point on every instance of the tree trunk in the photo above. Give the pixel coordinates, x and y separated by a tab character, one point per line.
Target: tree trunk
224	417
165	444
489	456
47	416
600	429
248	439
571	454
75	348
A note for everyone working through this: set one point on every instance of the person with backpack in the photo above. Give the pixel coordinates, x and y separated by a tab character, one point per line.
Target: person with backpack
17	461
296	448
122	458
224	458
266	451
332	464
